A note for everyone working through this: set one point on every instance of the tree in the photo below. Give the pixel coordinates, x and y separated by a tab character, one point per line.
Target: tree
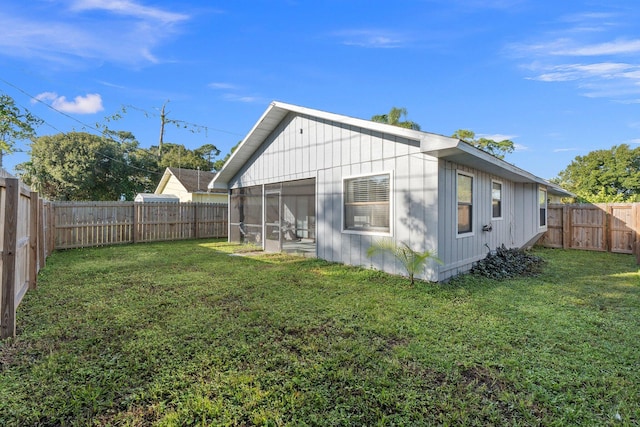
393	118
496	148
604	176
412	261
178	156
218	164
208	152
15	124
82	166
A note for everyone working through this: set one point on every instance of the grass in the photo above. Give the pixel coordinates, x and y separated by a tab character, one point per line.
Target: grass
181	333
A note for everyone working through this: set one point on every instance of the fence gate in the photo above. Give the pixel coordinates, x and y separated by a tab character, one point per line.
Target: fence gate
598	227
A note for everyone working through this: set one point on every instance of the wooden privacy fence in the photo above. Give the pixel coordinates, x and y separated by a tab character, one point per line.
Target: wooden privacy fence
24	247
32	228
85	224
611	227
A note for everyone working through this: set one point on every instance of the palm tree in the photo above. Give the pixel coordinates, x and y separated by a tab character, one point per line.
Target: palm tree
412	261
393	118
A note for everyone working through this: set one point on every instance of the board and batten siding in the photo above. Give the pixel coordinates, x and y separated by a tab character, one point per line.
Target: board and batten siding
308	147
516	228
458	253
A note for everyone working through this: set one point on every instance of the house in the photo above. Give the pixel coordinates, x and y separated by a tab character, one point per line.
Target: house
190	185
309	180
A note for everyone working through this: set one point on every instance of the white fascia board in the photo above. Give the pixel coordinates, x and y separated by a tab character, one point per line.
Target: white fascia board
458	151
263	127
163	181
272	117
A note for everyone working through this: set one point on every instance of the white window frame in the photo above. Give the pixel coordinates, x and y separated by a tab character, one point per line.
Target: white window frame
473	203
493	181
391	205
546	207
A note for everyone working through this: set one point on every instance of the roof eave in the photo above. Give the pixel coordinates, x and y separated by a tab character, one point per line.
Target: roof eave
460	152
163	181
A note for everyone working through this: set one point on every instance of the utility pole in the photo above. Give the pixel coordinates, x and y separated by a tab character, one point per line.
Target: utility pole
163	120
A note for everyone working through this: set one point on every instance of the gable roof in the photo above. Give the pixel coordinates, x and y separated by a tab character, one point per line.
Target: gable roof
439	146
193	181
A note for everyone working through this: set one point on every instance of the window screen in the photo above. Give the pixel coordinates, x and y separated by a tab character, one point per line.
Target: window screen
496	200
465	204
366	203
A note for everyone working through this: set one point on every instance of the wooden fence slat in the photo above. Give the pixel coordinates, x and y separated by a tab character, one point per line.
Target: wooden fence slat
95	224
33	240
10	222
609	227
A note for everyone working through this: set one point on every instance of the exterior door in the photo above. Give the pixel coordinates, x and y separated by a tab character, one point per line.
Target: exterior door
273	228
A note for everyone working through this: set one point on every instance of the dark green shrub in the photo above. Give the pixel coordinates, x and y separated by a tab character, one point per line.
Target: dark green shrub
504	263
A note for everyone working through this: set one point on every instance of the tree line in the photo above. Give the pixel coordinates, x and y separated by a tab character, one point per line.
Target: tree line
84	166
113	166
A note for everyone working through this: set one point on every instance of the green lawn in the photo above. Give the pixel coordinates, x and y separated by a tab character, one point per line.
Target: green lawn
183	334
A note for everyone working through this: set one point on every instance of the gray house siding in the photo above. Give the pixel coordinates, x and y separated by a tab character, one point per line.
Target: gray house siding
308	147
459	252
291	143
527	209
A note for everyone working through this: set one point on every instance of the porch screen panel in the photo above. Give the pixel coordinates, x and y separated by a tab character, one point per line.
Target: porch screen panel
246	215
299	209
366	203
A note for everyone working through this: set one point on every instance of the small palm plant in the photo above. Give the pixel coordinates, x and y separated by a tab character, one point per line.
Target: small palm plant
412	261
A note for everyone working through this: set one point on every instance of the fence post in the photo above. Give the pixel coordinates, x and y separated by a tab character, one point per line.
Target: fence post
12	194
608	227
33	239
566	227
134	233
196	233
51	238
42	243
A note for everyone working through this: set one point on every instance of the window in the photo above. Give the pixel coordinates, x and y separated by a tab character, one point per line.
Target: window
465	204
496	200
542	201
366	203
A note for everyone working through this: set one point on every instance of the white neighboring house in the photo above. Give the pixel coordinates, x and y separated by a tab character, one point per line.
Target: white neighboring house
309	180
190	186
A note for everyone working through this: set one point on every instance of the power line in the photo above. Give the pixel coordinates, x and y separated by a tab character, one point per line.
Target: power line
103	133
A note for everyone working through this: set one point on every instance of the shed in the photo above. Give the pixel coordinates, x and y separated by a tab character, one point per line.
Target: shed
156	198
331	185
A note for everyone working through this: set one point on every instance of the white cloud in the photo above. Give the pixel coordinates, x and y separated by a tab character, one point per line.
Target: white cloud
497	136
88	104
129	8
600	64
378	39
634	141
222	85
608	48
88	32
603	70
243	98
562	150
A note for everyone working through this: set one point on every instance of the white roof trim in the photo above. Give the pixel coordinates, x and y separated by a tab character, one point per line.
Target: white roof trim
463	153
432	144
272	117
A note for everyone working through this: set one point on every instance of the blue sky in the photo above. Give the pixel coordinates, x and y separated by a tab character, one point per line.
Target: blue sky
559	78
